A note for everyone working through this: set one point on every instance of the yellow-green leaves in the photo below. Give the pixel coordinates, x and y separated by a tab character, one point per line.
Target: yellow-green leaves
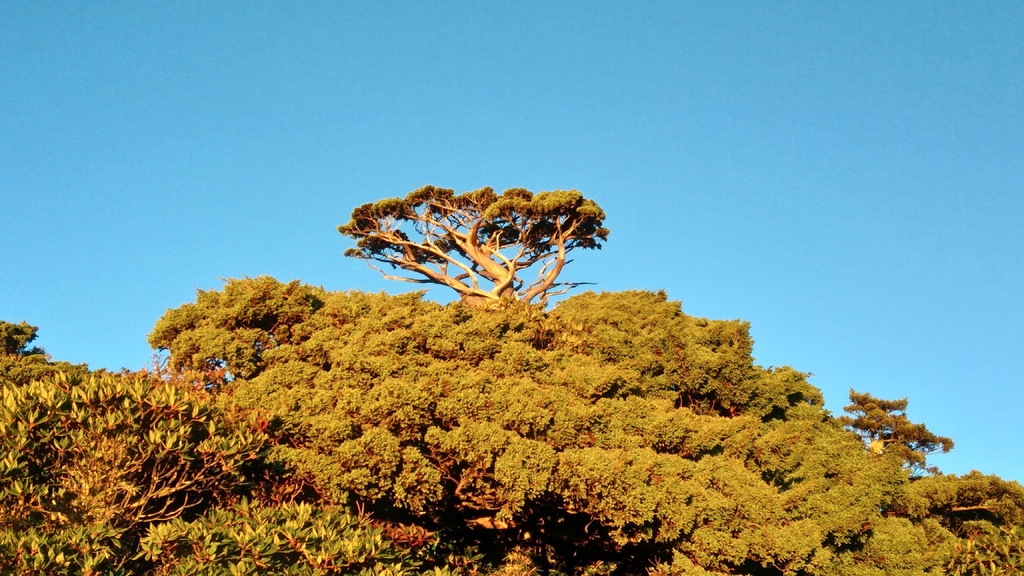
250	538
885	428
989	552
612	431
85	460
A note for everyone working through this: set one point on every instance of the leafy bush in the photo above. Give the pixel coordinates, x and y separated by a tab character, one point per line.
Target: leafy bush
989	552
88	463
294	539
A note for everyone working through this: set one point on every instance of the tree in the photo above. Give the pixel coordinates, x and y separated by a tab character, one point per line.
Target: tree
613	432
884	426
156	473
964	504
15	338
20	364
478	243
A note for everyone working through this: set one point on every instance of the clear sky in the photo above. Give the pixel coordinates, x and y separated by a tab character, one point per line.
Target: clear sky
847	176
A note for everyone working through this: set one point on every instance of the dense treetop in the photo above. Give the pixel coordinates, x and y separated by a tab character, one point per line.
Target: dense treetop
612	431
300	431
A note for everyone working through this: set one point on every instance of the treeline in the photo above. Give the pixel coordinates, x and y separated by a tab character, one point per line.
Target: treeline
293	430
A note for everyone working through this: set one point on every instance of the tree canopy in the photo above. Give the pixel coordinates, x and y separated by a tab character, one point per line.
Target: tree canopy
294	430
612	434
884	426
478	243
153	473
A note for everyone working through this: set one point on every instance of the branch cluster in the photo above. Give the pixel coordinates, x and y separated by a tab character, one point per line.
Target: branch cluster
478	243
884	426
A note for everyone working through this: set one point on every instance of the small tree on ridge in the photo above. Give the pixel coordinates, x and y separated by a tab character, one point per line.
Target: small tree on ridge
884	427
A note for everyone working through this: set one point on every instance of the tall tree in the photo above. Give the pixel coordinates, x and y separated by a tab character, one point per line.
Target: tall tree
478	243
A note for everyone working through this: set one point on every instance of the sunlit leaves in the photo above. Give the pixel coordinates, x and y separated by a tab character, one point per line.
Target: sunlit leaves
295	539
87	463
614	424
989	552
884	426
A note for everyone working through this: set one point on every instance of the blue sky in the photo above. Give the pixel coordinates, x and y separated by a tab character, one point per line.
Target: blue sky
849	177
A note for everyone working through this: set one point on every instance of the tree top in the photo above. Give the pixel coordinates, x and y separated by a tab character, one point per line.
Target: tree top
478	243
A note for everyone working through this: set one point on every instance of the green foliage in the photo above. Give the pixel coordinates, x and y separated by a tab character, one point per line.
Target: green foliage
236	326
293	539
884	426
990	552
20	364
87	463
15	338
87	550
612	435
901	547
962	502
478	243
613	431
